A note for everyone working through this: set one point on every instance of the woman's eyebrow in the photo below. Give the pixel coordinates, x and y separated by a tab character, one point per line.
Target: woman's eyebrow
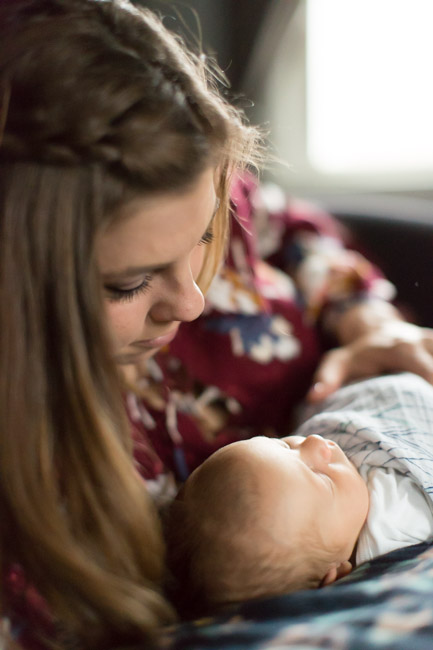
138	270
131	271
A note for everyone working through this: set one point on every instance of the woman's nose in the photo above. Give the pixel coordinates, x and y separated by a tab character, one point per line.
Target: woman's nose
181	299
315	450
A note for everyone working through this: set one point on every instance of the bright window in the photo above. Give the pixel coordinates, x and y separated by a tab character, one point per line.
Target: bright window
369	85
347	89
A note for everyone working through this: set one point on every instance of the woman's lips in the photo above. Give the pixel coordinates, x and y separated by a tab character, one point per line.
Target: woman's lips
157	342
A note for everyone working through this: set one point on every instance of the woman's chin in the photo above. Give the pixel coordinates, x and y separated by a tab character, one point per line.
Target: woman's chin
132	366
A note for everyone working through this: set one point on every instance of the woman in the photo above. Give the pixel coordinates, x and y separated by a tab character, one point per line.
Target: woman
116	158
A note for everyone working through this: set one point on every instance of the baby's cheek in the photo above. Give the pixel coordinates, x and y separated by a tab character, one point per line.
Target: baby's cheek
360	500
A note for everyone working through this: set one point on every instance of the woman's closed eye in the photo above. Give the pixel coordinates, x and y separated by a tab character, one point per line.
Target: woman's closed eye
116	294
119	294
207	238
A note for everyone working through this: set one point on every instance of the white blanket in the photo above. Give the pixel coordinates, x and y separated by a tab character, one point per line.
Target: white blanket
387	423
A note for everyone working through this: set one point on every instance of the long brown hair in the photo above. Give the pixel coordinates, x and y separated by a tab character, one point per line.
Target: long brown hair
100	104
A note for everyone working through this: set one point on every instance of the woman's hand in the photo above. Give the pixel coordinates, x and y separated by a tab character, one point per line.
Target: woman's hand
377	341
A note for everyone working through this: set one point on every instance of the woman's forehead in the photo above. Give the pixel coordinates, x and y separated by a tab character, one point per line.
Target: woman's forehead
155	231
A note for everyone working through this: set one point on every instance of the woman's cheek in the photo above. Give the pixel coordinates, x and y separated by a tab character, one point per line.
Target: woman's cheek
125	323
197	259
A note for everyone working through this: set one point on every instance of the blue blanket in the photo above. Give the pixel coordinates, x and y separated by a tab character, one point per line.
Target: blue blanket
384	604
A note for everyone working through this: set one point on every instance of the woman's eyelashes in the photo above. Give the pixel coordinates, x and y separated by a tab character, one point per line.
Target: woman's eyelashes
207	238
116	294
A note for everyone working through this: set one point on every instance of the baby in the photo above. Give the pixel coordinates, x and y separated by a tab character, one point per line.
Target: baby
265	516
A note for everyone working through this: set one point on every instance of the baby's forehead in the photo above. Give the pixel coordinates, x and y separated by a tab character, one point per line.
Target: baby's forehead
237	465
237	456
263	459
246	454
256	451
252	445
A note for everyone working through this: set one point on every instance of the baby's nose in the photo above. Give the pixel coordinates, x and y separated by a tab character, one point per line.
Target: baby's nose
316	449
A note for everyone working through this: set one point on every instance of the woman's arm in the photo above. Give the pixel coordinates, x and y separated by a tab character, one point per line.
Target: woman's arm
346	295
373	338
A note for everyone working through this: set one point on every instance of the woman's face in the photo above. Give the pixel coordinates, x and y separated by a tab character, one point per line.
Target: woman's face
149	260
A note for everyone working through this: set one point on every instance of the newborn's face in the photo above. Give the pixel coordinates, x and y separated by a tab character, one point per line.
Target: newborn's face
308	489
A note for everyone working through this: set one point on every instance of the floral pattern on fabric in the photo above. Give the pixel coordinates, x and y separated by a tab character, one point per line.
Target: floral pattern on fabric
329	274
263	338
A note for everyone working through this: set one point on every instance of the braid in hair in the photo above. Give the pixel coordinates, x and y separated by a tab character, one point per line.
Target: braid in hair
139	101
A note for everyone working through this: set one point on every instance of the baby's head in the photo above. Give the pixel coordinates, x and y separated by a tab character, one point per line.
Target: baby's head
262	517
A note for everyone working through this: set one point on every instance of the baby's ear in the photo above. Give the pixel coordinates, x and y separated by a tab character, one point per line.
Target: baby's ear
335	572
